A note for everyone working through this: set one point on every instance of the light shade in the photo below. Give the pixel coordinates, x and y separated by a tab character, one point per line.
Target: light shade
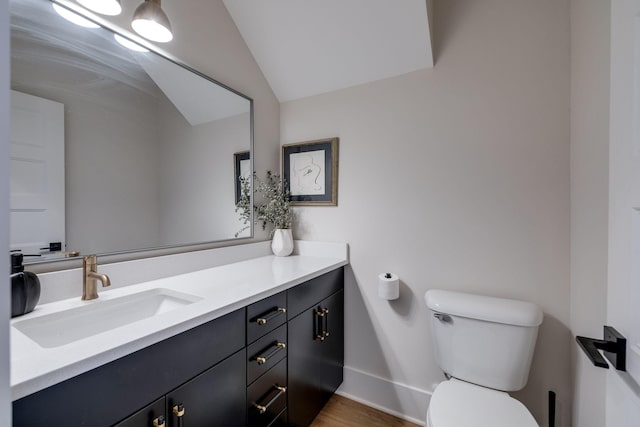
103	7
150	21
74	17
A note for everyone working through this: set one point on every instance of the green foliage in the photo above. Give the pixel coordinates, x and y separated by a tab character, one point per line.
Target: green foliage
244	204
271	207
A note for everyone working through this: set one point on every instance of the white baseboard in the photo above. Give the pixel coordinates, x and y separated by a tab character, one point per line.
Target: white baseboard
400	400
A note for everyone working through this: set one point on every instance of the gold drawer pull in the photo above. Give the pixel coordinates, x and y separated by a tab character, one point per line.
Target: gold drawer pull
262	320
263	408
263	358
178	410
159	422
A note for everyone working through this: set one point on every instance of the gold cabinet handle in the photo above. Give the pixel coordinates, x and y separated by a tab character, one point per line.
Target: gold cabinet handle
322	324
263	358
263	408
178	410
159	422
263	319
325	331
318	324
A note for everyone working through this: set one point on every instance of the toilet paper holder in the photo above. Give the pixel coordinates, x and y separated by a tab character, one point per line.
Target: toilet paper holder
388	286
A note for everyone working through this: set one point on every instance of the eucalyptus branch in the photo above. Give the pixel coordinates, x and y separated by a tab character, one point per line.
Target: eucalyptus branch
244	203
272	207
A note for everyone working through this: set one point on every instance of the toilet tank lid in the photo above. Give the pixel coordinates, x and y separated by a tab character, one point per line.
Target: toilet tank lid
490	309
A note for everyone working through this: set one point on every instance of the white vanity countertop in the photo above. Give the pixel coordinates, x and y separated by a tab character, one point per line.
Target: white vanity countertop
222	289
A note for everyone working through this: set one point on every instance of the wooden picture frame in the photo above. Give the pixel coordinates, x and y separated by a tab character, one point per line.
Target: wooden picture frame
310	171
241	167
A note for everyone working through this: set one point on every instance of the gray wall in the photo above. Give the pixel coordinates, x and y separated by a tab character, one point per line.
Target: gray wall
590	50
111	171
197	162
455	178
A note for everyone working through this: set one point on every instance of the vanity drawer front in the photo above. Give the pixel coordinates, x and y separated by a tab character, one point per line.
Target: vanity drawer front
266	352
267	396
309	293
266	315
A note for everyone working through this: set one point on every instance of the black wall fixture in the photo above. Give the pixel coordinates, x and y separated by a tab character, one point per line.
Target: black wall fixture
552	408
614	346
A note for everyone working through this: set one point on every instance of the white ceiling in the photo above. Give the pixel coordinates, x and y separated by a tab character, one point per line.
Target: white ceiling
306	48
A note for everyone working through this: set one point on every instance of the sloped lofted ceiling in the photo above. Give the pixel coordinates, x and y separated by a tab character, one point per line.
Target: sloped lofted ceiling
306	48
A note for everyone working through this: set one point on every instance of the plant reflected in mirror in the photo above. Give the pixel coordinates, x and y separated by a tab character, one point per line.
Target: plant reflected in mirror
272	207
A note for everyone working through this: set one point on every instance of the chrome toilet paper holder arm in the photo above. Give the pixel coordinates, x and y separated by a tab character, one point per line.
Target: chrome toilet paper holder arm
614	346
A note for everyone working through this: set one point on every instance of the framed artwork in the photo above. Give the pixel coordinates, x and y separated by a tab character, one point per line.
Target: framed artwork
310	170
242	168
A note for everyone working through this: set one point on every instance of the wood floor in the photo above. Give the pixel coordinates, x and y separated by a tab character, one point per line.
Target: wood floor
343	412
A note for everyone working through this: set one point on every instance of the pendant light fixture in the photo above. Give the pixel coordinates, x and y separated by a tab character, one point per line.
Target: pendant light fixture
150	21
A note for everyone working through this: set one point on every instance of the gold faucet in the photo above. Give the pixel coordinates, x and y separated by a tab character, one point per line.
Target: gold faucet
91	277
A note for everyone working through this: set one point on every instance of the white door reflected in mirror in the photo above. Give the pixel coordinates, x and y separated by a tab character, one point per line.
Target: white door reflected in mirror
37	173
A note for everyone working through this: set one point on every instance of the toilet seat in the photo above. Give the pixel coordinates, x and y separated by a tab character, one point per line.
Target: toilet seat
456	403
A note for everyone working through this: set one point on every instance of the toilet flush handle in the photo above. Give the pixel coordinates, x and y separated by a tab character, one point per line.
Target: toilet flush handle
442	317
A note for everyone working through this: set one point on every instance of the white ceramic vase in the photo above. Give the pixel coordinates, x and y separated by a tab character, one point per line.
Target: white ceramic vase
282	242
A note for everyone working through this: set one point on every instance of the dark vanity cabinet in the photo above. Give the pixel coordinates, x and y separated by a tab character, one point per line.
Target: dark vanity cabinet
316	349
212	398
273	363
113	392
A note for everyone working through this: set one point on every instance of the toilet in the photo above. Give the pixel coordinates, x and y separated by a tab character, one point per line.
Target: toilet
485	346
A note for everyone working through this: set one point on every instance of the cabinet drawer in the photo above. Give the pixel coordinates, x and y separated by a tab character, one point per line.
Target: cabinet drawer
267	396
266	315
266	352
309	293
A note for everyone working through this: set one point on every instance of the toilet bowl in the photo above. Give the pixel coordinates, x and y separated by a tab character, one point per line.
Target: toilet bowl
485	346
456	403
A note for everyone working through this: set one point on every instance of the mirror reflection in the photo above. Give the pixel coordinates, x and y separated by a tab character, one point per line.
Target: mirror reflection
113	148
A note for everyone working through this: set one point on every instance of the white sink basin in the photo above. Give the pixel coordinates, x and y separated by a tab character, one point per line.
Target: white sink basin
64	327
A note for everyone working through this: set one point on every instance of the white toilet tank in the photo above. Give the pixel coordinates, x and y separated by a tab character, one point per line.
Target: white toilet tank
483	340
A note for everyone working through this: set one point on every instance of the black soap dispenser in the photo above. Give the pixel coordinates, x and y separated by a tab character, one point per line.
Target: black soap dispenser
25	287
